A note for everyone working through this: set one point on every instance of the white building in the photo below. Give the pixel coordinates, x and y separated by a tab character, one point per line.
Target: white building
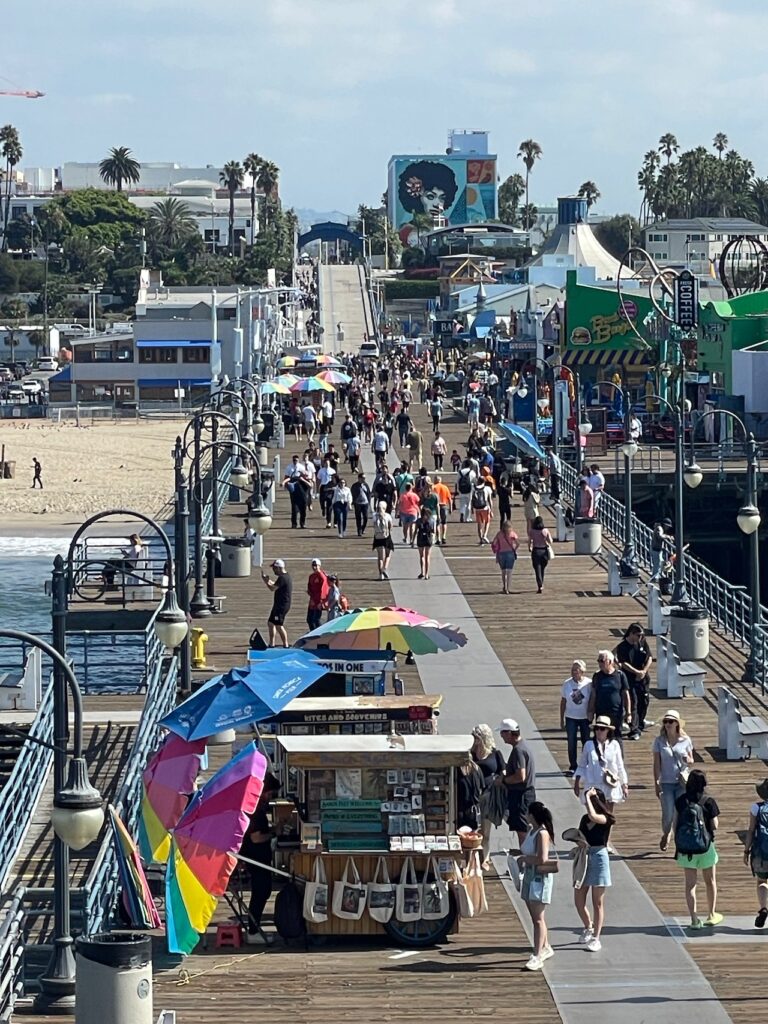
154	177
697	242
208	204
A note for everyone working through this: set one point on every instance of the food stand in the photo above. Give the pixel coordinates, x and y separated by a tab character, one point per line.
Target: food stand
375	796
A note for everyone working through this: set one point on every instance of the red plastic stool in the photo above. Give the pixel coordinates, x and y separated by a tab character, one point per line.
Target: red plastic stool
229	935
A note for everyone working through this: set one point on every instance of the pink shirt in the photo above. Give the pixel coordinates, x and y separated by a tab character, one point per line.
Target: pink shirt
409	503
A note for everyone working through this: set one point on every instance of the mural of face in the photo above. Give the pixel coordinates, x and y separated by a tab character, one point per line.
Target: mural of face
433	200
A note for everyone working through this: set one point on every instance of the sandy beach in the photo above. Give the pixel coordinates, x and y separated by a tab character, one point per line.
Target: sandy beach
85	470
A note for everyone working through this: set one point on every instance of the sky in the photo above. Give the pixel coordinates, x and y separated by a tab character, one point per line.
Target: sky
329	89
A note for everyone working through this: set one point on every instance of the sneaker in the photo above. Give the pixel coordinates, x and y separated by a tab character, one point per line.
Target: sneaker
547	952
648	722
762	914
570	773
421	575
257	939
594	945
386	575
635	736
535	963
713	919
586	936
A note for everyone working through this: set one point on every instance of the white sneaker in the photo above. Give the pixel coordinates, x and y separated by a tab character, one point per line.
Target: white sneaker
587	935
256	939
535	963
546	953
594	945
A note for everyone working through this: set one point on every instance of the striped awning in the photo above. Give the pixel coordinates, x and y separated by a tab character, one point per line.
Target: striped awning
607	357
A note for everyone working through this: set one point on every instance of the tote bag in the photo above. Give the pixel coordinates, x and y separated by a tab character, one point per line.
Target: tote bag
473	875
408	894
435	902
349	894
316	894
381	894
461	894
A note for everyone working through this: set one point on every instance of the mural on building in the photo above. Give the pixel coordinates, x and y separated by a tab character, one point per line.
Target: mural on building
461	190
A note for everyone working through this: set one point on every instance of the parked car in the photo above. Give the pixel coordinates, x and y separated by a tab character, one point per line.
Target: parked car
6	375
47	364
32	387
16	393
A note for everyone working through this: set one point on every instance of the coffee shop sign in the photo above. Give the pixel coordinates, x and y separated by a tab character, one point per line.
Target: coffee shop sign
603	328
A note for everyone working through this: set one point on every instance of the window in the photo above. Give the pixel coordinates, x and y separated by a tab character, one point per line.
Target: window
212	235
157	355
697	238
197	355
17	212
657	238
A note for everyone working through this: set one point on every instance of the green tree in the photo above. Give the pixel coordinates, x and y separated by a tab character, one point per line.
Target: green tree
9	275
423	223
616	234
668	145
528	215
14	309
720	142
31	275
588	190
252	165
232	179
11	152
529	152
170	222
511	192
19	233
269	178
120	166
758	191
646	182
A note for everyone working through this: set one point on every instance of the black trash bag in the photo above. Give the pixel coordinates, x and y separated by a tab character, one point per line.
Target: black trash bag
289	912
257	642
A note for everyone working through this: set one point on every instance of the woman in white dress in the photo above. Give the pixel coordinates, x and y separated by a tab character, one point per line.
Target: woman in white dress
601	765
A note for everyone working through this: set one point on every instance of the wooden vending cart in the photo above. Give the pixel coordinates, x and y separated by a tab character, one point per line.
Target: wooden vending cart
371	796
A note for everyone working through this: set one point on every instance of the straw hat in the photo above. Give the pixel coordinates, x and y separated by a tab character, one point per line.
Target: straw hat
762	789
604	720
676	715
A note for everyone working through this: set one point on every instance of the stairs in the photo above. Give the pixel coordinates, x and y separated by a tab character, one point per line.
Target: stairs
10	748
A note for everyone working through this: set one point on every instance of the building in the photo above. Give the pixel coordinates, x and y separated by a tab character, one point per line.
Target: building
698	242
456	187
208	204
725	328
154	177
571	245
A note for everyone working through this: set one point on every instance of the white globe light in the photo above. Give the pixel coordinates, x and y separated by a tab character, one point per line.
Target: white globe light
585	428
171	622
693	475
78	811
239	476
748	519
259	521
629	448
522	392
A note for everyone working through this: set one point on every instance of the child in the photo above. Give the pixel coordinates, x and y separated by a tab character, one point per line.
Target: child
455	461
336	603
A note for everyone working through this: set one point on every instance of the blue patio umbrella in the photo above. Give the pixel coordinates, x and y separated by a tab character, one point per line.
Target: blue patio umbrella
244	695
524	440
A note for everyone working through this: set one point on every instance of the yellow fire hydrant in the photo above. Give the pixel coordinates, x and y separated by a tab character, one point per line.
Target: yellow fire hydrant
198	642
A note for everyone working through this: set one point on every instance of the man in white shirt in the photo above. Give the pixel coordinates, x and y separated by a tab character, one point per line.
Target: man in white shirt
380	443
310	420
635	429
326	479
596	482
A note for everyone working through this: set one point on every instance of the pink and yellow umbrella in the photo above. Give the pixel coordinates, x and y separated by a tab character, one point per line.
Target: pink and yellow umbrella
167	782
334	377
286	363
307	384
374	629
326	360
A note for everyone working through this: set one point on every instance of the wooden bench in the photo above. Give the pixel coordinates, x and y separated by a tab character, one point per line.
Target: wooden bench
658	612
678	678
738	734
618	585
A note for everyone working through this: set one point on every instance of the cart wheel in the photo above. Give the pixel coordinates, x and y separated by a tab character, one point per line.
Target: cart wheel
418	934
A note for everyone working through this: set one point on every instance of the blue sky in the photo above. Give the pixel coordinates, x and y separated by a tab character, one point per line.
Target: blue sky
329	89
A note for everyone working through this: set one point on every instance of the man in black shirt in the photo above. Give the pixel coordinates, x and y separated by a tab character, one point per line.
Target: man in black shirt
282	589
610	692
519	778
634	659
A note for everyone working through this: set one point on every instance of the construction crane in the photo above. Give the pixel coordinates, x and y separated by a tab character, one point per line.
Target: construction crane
29	94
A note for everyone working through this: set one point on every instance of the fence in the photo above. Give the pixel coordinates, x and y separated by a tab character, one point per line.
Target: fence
11	955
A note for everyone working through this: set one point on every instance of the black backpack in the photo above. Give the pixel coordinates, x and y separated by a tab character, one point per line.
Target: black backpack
465	483
479	500
691	834
289	912
759	850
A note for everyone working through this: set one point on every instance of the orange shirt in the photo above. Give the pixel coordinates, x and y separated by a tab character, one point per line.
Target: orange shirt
443	493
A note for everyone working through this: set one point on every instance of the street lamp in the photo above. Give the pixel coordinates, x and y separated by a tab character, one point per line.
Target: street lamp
628	566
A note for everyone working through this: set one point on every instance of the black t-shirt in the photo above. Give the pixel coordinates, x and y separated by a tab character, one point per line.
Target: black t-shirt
490	766
708	806
521	757
634	654
608	691
595	833
281	599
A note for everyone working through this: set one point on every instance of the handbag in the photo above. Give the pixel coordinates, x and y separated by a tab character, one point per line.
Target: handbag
550	552
316	894
473	875
349	894
408	893
381	894
435	902
461	894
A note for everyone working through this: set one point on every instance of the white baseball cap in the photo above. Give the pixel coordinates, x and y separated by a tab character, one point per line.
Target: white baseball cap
509	725
278	564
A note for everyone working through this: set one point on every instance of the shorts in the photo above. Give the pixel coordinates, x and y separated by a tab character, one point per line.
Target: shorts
424	544
536	888
482	515
277	618
444	509
598	867
506	560
407	518
518	801
383	542
699	861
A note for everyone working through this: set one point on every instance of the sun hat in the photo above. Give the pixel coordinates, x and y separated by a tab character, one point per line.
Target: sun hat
278	564
676	715
509	725
762	789
604	720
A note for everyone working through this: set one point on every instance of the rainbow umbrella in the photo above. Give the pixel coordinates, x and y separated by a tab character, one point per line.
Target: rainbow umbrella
375	629
286	380
138	901
334	377
204	846
311	384
286	362
326	360
168	780
273	387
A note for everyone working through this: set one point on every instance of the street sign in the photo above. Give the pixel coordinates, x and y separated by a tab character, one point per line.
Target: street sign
686	300
440	327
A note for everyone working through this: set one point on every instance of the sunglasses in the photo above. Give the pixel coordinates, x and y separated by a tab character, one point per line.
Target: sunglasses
670	721
601	728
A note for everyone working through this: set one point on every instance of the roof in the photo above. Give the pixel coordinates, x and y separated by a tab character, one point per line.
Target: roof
718	225
578	241
375	750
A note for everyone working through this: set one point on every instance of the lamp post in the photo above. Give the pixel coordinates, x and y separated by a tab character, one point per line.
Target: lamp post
748	519
628	566
77	814
181	540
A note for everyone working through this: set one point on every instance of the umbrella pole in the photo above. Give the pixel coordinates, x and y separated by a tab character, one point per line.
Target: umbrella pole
268	867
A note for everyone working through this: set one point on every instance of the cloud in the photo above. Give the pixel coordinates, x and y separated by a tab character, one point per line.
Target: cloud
110	99
508	62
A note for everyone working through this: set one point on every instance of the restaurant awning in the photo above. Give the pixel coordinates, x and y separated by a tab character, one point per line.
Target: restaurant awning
607	357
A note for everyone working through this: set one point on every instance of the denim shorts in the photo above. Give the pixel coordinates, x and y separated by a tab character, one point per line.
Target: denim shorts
506	559
598	867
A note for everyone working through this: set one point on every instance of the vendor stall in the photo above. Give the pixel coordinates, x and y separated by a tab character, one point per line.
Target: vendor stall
348	673
378	807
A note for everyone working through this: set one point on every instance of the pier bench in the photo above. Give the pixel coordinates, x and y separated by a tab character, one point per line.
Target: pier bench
739	735
678	678
658	612
618	585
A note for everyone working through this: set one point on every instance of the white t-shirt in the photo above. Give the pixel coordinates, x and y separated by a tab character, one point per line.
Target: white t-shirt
576	697
325	475
597	482
310	417
380	441
327	409
673	757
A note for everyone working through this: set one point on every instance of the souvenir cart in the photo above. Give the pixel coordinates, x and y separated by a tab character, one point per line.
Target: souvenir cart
388	802
350	673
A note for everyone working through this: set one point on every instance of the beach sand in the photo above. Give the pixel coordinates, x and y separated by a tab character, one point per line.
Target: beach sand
85	470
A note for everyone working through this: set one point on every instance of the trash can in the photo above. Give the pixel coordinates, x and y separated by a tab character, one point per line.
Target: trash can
689	632
587	537
114	979
235	557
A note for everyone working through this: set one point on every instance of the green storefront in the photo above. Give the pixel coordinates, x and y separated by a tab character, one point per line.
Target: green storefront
727	327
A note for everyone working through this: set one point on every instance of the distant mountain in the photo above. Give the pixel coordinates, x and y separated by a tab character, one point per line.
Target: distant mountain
309	217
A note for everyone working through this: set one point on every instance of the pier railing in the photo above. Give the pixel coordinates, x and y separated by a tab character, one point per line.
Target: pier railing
11	954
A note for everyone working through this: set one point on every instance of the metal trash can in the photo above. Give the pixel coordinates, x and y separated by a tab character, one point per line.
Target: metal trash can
587	537
689	632
114	979
235	557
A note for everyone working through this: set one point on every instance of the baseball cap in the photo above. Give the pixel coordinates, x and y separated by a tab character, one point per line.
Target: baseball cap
317	562
509	725
278	564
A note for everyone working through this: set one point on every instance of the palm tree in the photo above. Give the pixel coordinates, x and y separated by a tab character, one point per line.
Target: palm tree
668	145
510	193
232	179
720	142
269	176
589	191
759	194
529	152
170	221
528	215
120	166
11	151
252	165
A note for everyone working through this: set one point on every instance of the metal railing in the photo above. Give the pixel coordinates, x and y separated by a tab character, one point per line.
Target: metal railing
11	954
646	460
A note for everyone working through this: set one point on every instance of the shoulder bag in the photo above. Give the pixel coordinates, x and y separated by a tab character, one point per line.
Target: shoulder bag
461	893
349	894
435	901
473	876
316	894
408	894
381	893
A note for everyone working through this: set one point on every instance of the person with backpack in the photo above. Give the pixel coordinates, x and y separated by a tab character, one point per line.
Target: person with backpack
480	503
697	822
672	758
425	538
383	544
756	850
361	502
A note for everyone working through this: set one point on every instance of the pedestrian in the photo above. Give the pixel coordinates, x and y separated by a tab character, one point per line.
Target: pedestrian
596	481
336	603
473	410
37	470
409	507
555	469
425	538
465	482
601	765
444	501
317	589
326	480
504	546
531	502
361	502
342	503
439	449
574	711
380	444
282	588
595	828
469	790
384	488
490	760
257	847
585	501
348	429
633	657
480	503
661	545
455	461
697	823
504	490
610	692
538	870
672	758
310	420
756	850
296	483
540	546
519	778
404	426
415	442
430	500
436	412
383	544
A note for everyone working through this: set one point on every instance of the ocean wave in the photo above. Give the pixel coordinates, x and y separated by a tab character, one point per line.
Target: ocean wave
32	547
